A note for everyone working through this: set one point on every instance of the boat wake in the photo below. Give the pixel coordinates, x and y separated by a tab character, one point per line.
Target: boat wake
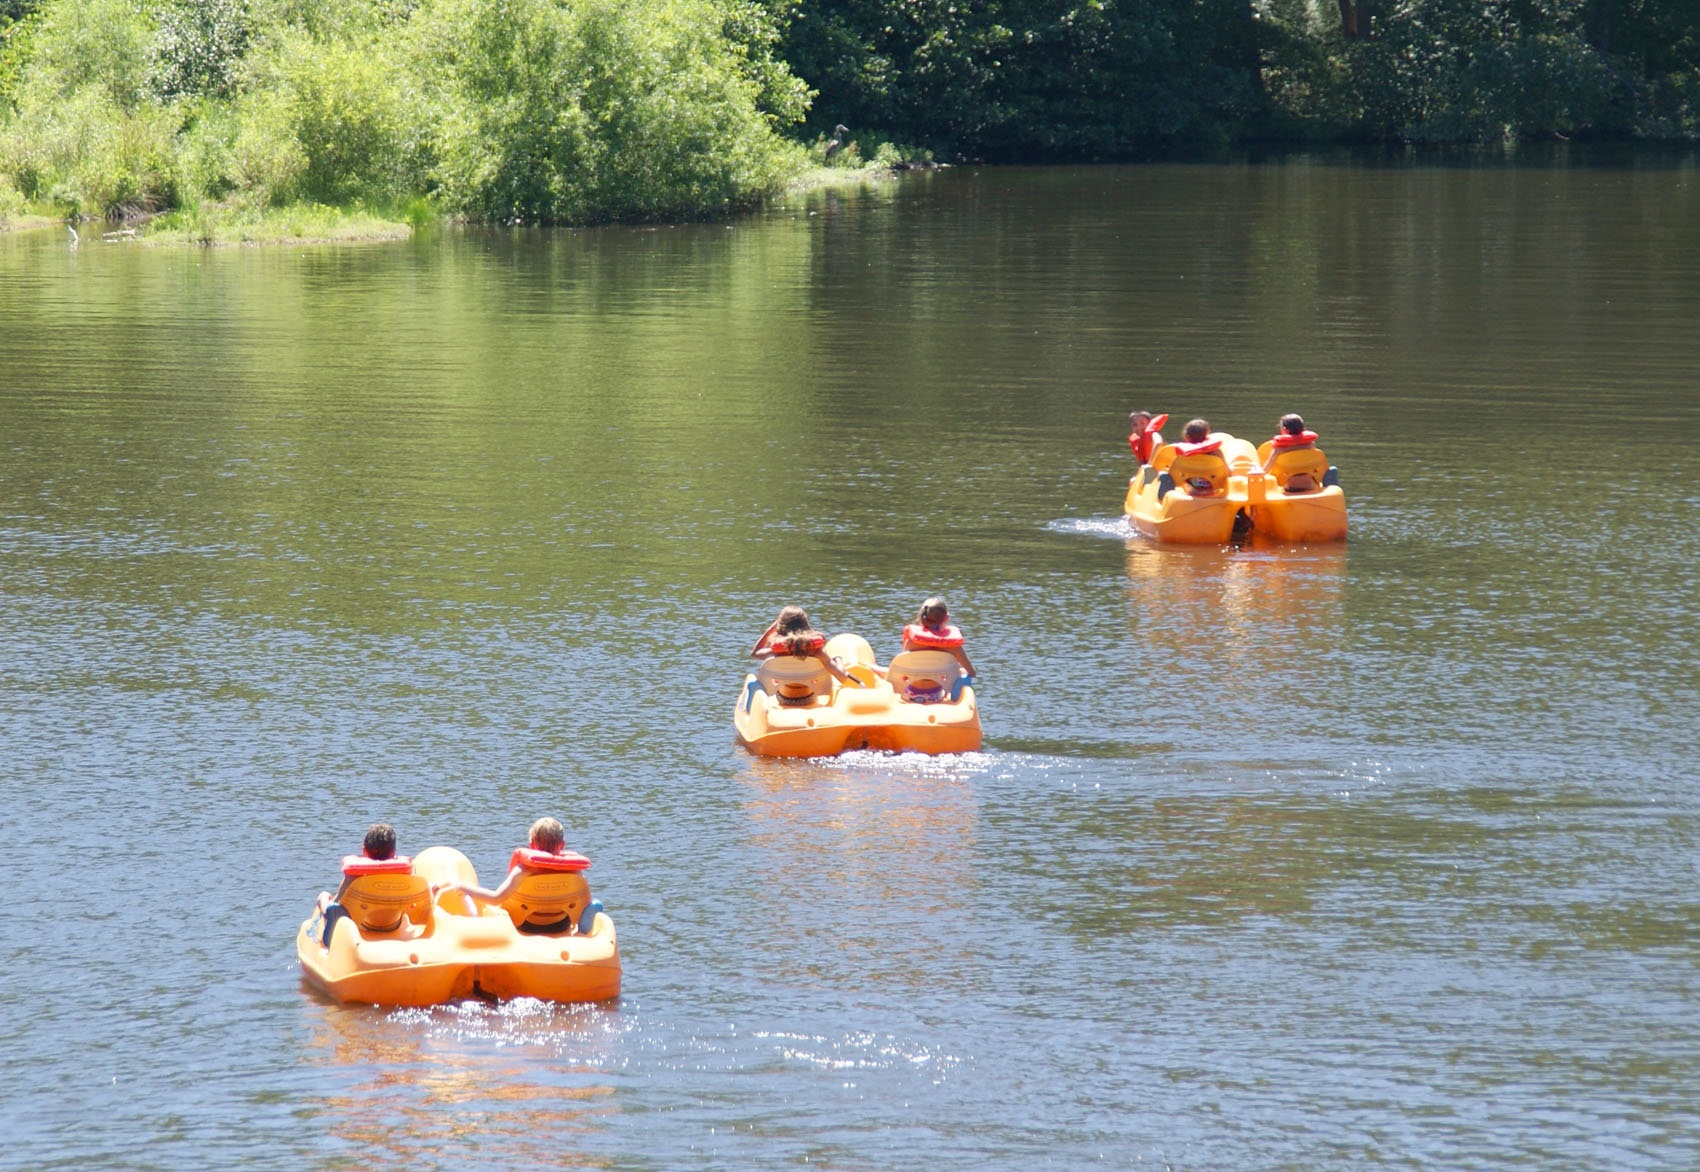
1115	528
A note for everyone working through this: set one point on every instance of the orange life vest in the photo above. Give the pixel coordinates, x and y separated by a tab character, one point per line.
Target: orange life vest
1288	440
1202	448
357	865
917	637
536	860
781	645
1147	439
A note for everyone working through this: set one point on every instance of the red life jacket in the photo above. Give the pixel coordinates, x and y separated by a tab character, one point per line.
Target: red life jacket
357	865
1287	440
1203	448
1147	439
537	860
917	637
781	645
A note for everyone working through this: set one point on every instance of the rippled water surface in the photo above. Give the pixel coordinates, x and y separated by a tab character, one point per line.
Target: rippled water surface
1380	854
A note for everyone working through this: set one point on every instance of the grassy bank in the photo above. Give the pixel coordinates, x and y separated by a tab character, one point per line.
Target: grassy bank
213	225
238	224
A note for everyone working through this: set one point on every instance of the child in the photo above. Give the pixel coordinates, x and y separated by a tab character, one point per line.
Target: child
1296	475
546	853
1198	465
932	630
1292	436
792	634
1143	436
377	855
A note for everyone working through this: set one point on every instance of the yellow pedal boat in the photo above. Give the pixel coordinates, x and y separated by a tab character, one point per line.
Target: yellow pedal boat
1244	499
834	717
1317	514
445	947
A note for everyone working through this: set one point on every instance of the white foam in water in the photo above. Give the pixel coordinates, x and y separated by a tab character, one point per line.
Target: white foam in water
1115	528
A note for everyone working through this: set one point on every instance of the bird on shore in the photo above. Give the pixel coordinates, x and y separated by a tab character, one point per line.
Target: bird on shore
836	142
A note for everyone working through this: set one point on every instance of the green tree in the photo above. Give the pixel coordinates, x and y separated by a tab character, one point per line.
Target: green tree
1477	70
542	111
83	133
91	46
1023	79
12	11
327	122
198	47
1658	38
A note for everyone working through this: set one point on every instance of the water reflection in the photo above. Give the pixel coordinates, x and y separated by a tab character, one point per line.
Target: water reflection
1256	620
852	855
519	1077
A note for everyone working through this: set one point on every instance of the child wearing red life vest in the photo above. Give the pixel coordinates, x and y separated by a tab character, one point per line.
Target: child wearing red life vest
548	841
546	836
932	630
1293	436
1143	437
1198	465
377	852
792	634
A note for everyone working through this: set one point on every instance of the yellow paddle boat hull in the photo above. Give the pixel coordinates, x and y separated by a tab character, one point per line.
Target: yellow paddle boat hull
460	951
1167	512
875	716
1252	499
1314	516
1177	516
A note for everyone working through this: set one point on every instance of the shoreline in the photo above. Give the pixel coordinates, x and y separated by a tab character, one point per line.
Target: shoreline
318	225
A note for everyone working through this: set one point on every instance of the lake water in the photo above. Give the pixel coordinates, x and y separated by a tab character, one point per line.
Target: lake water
1375	855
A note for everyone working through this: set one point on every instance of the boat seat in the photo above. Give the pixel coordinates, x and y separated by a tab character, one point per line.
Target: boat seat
547	898
1201	475
925	675
794	681
1302	470
377	903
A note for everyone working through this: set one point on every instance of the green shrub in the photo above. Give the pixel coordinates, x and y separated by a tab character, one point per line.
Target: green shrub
206	163
546	112
326	122
83	136
93	157
12	202
129	169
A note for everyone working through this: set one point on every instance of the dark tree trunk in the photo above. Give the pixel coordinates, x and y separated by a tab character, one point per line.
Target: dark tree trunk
1349	24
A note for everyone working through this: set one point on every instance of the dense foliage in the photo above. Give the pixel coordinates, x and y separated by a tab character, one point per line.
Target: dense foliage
1030	78
499	110
1026	79
1481	70
584	110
